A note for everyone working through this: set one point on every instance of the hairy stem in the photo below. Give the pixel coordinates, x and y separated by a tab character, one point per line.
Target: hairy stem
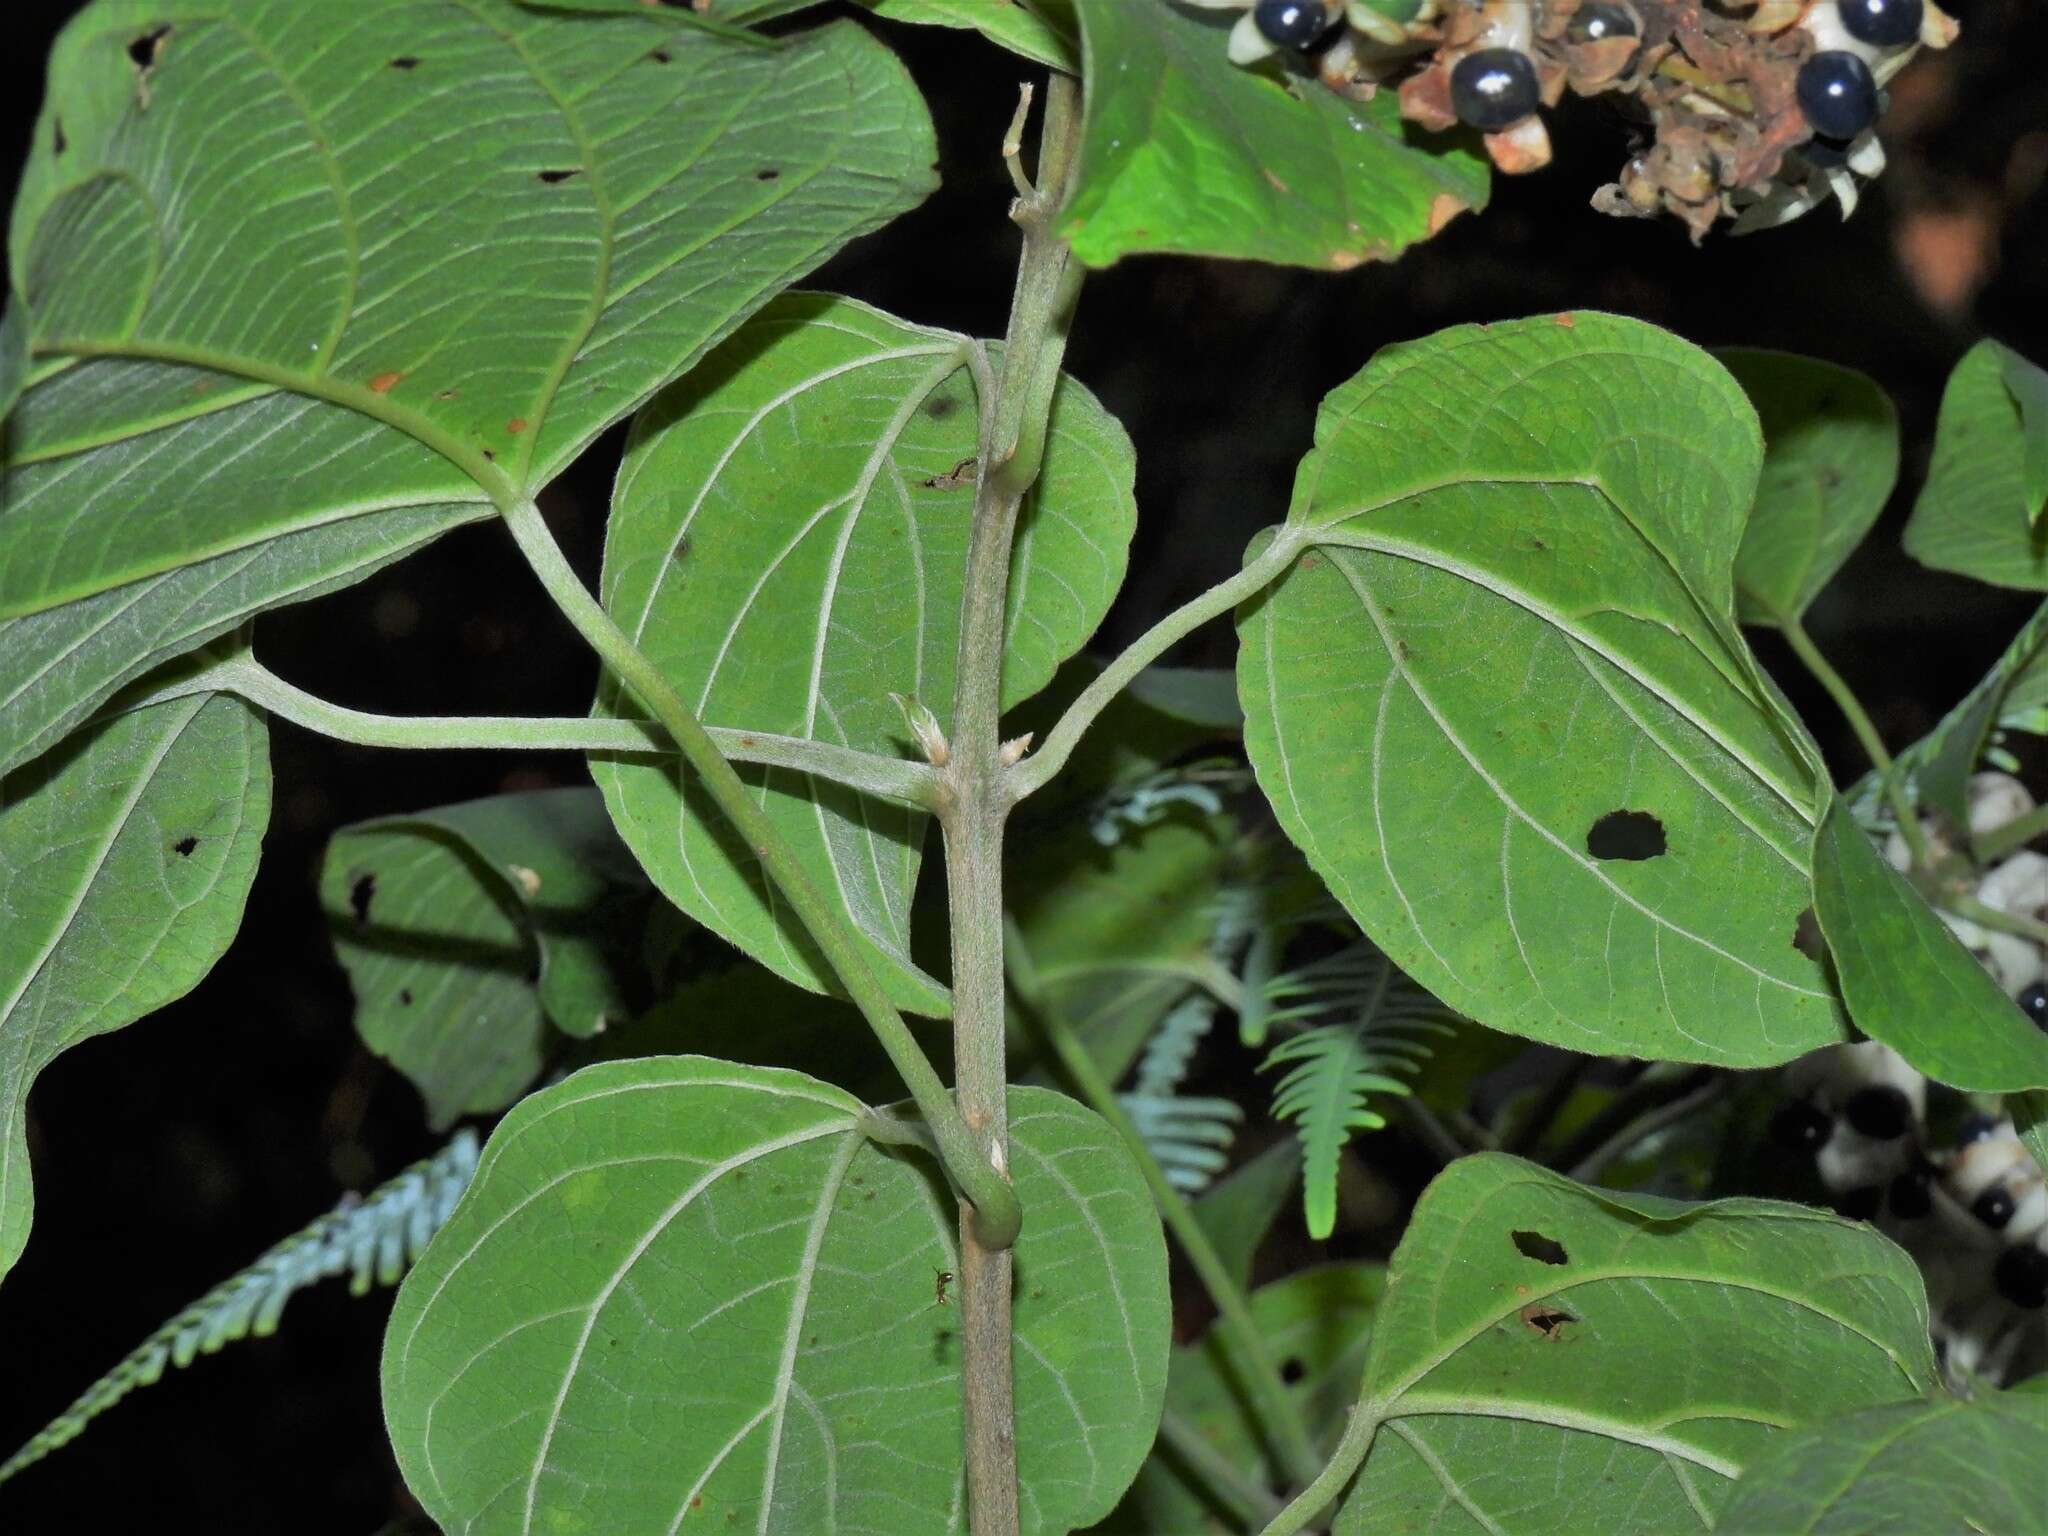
886	778
995	1213
1257	1371
2014	835
974	802
1259	573
1245	1499
1344	1463
1873	744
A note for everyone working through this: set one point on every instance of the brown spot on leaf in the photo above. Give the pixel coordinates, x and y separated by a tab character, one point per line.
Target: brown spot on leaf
960	474
1567	319
1344	261
1444	208
384	383
407	63
767	173
516	425
1548	1321
1275	182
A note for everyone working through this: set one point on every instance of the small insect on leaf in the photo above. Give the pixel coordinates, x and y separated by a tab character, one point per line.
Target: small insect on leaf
941	1278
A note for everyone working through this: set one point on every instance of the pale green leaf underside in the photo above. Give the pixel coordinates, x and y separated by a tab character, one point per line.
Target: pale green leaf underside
468	929
1910	1469
1973	516
1184	151
1907	978
1831	458
788	543
304	276
1623	1388
1514	619
125	861
684	1291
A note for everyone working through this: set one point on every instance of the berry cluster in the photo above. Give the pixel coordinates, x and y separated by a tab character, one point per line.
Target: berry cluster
1754	110
1972	1204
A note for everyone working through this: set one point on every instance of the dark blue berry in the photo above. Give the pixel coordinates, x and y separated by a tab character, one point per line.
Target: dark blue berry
1882	23
1911	1194
1975	1127
2034	1004
1494	88
1837	93
1599	23
1799	1127
1861	1204
1882	1113
1994	1207
2021	1275
1291	23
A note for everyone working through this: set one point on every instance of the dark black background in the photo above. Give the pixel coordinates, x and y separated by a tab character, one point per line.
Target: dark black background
171	1153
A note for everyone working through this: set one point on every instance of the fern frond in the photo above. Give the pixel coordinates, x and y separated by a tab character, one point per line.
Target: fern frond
1145	801
1189	1138
1362	1028
372	1239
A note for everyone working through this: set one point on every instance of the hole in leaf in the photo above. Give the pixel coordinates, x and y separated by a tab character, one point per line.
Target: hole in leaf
406	63
1544	1250
767	173
1631	835
1292	1370
58	143
1806	937
1548	1321
661	56
360	893
556	178
148	48
405	996
185	847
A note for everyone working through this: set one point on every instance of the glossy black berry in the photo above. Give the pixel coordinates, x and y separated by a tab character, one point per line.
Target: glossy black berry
1799	1127
1994	1207
1883	1113
1861	1204
2034	1004
1494	88
2021	1275
1837	93
1599	23
1291	23
1882	23
1911	1195
1975	1127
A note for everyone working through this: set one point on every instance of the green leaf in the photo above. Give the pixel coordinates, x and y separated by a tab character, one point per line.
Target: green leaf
1315	1323
1119	934
487	233
465	930
1501	703
1629	1355
1831	458
1238	1210
2010	695
13	355
1978	514
1007	23
1908	1469
1907	978
799	603
125	860
1183	151
685	1280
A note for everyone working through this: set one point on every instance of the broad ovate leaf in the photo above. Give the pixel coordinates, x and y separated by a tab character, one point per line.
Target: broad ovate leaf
125	862
1500	701
1908	1469
1831	458
1183	151
1907	978
467	930
800	603
328	291
1978	513
1628	1356
685	1291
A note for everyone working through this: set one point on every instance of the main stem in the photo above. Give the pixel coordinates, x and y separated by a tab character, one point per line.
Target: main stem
1257	1371
993	1212
974	800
